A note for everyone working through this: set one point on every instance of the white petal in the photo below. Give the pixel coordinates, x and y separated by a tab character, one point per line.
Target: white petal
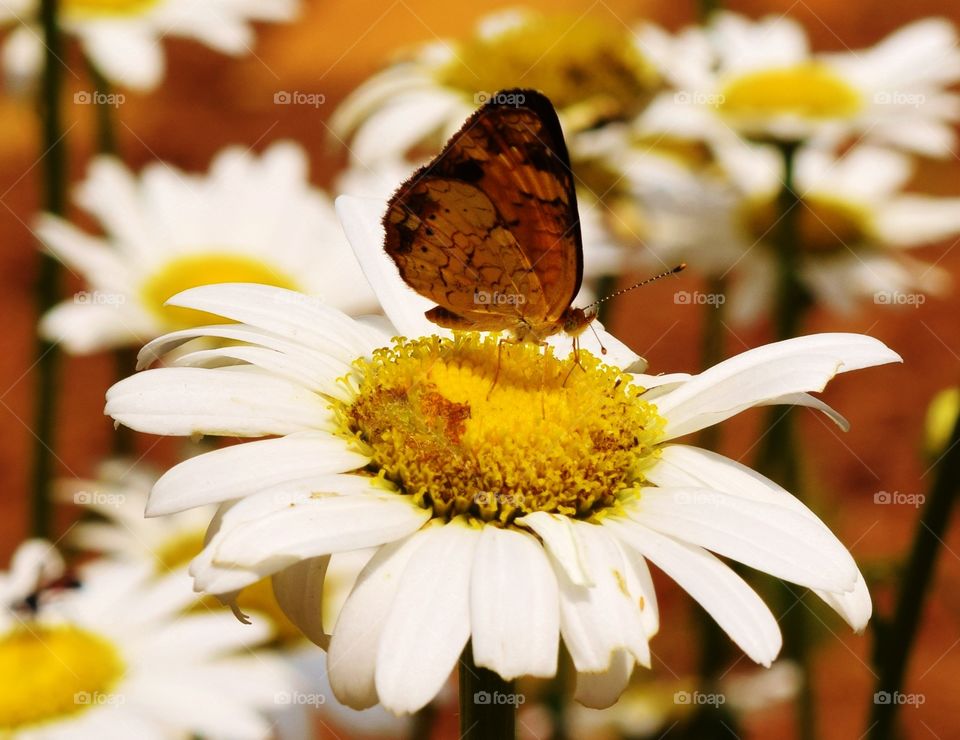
361	220
856	607
299	592
601	690
769	537
319	523
286	313
240	470
84	328
125	54
598	620
754	377
681	465
352	660
557	534
514	606
721	592
429	622
188	401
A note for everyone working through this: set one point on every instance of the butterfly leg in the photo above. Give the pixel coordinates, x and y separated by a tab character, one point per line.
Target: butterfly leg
576	361
496	374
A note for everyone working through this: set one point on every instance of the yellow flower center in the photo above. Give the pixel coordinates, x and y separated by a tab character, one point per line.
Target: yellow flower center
571	59
827	225
497	429
812	91
182	548
105	8
205	268
51	673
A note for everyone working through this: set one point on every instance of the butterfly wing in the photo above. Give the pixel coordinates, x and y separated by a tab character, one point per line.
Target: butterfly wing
489	229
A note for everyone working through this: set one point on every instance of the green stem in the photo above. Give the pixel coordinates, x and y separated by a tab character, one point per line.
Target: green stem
488	704
779	454
421	728
606	285
706	8
54	169
893	645
103	107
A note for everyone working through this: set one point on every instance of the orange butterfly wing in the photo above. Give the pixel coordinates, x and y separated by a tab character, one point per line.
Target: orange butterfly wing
489	229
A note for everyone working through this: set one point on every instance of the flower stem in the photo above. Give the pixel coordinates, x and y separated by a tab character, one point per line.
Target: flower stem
894	642
106	131
606	285
54	166
487	703
779	454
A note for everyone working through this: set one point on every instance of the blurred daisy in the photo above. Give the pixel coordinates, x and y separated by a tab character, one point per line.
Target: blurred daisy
115	657
855	225
531	492
648	708
591	69
760	79
167	544
121	38
251	219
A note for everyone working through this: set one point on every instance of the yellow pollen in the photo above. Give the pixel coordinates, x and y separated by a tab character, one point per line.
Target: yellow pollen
50	673
105	8
203	269
547	436
182	548
572	60
827	225
811	91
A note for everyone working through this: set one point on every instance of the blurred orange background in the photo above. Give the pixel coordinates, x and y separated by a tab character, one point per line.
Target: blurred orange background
209	101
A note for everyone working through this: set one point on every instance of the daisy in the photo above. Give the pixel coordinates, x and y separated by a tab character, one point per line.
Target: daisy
760	79
121	38
855	223
591	69
251	218
115	657
513	499
167	544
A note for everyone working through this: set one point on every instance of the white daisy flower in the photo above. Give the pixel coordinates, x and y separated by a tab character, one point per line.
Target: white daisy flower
591	69
116	657
855	227
760	79
167	544
121	38
514	500
250	219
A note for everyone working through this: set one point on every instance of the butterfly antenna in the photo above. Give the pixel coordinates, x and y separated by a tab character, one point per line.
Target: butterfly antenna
603	350
673	271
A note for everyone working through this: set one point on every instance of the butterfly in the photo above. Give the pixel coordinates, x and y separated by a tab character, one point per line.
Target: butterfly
489	229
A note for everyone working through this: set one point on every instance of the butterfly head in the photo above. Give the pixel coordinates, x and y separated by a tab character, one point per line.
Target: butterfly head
576	320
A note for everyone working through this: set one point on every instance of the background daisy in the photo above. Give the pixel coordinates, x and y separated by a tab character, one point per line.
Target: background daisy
251	218
114	656
122	39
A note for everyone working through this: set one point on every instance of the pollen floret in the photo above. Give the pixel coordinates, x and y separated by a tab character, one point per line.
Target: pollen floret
498	429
